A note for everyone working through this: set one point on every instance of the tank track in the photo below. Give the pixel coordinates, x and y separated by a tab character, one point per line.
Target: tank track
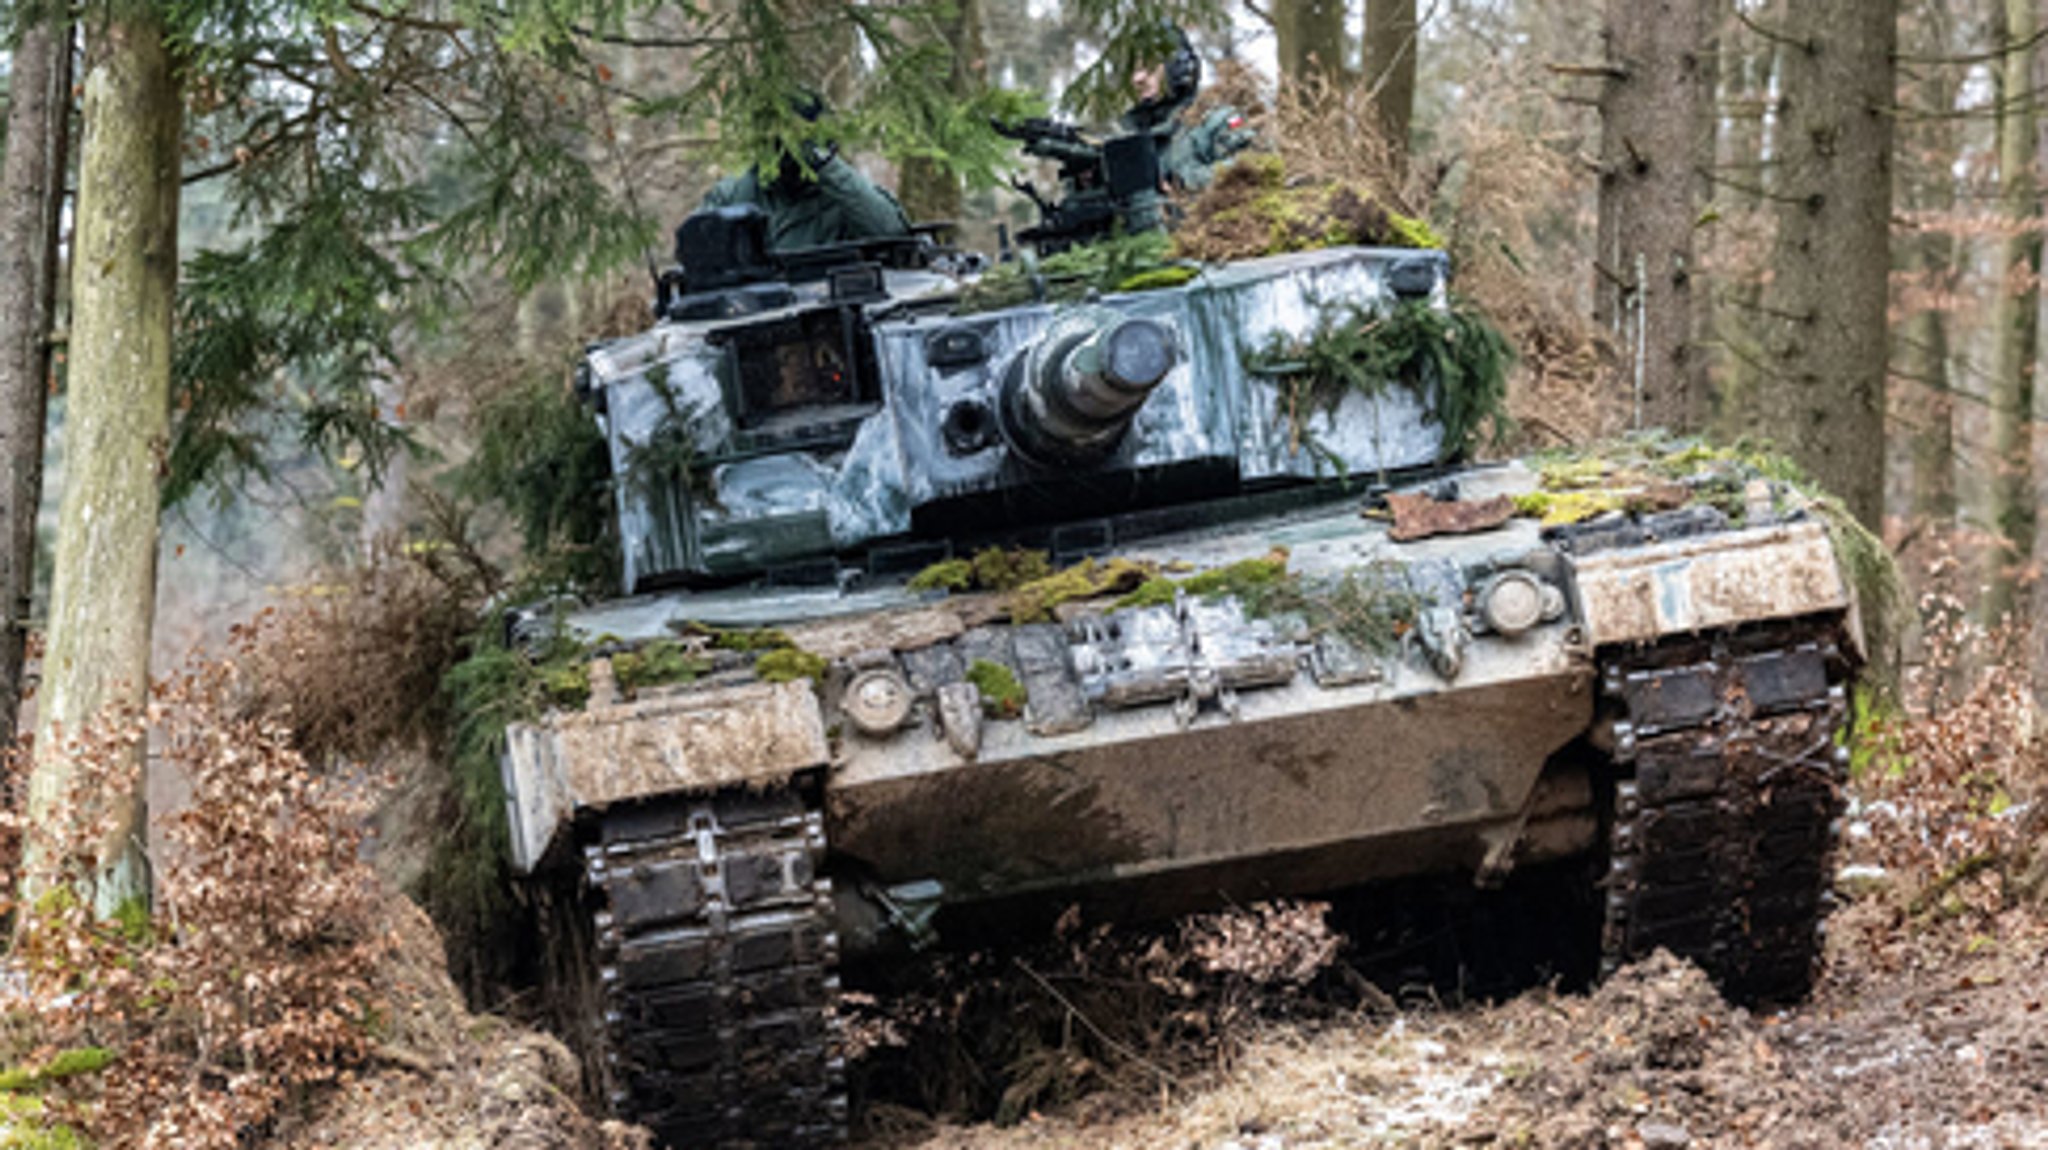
1726	805
714	973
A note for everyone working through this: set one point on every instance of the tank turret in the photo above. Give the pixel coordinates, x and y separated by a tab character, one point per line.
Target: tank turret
1070	397
865	410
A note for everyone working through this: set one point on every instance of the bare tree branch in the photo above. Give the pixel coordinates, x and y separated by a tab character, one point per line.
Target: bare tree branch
1984	57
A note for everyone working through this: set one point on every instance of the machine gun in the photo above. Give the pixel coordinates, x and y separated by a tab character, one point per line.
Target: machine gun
1105	187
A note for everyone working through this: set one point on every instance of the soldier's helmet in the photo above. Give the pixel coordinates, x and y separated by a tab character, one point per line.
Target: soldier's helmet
792	174
1183	68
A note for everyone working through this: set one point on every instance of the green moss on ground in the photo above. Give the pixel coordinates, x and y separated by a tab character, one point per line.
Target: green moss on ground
24	1118
25	1125
61	1065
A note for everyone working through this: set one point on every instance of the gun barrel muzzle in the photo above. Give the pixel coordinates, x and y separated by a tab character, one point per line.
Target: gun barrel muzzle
1070	399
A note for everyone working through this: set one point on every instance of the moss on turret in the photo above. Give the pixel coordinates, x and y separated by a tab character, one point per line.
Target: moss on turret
1255	209
1133	263
991	569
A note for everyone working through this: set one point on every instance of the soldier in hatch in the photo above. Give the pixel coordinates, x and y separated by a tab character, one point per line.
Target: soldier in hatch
1189	153
832	203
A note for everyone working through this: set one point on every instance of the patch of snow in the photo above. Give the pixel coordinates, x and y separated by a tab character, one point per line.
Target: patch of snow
1429	1093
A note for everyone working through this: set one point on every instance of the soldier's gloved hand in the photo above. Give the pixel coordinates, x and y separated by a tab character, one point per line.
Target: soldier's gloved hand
1224	133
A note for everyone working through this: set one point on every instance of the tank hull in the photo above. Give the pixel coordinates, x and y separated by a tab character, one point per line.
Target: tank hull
1300	775
1139	791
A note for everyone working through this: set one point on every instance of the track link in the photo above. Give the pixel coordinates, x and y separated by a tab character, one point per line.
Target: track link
1726	805
715	972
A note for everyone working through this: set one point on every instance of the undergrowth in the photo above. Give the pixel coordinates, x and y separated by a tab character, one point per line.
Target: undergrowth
355	661
1952	774
1121	1015
541	458
248	987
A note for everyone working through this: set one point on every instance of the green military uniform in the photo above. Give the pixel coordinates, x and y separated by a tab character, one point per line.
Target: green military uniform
837	206
1189	154
1191	158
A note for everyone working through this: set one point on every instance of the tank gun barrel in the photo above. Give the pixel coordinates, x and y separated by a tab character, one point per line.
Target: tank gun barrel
1069	399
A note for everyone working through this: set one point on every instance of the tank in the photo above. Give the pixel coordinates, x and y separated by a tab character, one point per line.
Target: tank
1246	650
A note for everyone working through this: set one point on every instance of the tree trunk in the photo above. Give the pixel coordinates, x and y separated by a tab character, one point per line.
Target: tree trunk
929	192
1823	312
2015	322
1923	361
1392	40
103	588
1652	115
1747	70
1310	39
31	204
1931	257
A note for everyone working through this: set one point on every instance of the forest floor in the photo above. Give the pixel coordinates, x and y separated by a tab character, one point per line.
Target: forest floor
1916	1038
1925	1031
